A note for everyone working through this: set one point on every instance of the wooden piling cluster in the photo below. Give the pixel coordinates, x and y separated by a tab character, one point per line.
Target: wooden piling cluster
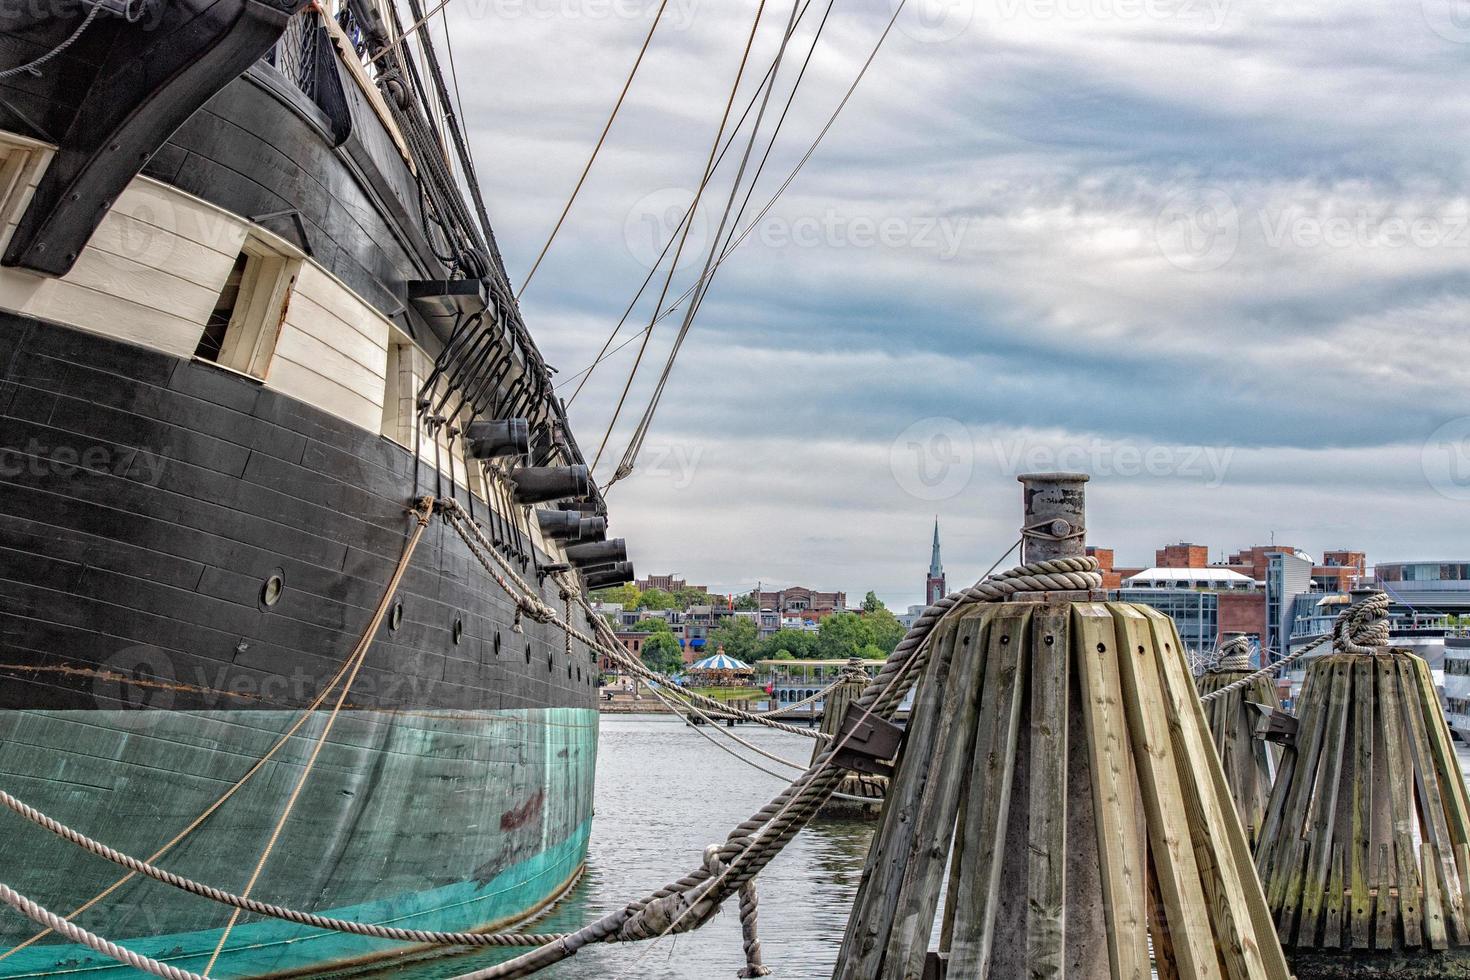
1365	854
860	794
1059	762
1248	761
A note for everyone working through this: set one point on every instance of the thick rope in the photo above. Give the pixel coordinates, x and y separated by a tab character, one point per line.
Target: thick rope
77	934
1359	631
1363	628
422	513
529	602
754	843
1234	654
854	668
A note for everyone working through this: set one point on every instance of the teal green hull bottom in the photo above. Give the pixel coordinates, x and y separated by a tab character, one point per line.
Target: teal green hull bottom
449	821
273	947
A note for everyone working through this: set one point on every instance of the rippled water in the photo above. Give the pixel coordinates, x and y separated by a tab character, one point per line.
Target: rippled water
663	794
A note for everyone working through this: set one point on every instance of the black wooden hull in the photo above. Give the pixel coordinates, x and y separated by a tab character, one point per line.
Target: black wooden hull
146	501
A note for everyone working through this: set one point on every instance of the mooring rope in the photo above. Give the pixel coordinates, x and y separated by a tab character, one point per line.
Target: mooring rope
1361	628
77	934
755	842
528	601
1234	654
748	848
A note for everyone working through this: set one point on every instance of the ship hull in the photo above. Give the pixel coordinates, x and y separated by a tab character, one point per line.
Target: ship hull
145	502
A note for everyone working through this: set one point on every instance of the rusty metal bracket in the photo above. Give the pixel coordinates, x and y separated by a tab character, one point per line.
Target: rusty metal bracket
868	742
1279	726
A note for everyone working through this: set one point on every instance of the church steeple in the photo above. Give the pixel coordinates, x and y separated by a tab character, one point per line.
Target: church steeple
934	589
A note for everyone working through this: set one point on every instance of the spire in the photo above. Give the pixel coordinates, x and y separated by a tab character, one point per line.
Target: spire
936	570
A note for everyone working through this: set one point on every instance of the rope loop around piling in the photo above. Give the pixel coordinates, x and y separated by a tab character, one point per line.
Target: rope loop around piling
1363	628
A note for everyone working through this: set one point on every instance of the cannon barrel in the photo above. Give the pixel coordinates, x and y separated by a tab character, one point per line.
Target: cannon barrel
597	552
538	484
489	439
615	574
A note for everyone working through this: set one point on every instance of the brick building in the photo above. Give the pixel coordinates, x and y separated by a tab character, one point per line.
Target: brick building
666	583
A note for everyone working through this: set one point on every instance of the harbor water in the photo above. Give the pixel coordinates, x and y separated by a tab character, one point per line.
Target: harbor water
663	794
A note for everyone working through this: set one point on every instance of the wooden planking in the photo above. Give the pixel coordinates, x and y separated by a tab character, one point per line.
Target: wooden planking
1433	825
1047	826
1401	804
1322	805
1246	942
1113	790
934	823
991	778
1361	910
180	213
65	301
1182	896
875	906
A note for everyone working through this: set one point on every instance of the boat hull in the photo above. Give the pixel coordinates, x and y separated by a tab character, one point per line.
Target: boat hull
145	502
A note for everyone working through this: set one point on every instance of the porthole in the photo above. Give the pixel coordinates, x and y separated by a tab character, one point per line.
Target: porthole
569	670
458	631
550	663
497	643
528	651
395	618
270	592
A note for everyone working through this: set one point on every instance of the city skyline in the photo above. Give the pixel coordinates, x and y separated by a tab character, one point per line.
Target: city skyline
1124	248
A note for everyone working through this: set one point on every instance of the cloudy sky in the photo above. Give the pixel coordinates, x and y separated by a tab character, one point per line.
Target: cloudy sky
1214	252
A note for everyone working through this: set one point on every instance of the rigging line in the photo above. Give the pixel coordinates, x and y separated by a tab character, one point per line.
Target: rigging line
791	177
585	373
602	137
640	432
684	238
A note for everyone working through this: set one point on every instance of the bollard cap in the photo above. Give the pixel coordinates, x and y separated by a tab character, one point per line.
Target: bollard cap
1053	478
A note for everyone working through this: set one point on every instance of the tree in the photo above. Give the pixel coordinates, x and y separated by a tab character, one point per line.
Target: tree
871	652
798	644
749	602
871	603
656	599
843	635
653	624
661	653
886	629
627	594
783	655
739	637
684	598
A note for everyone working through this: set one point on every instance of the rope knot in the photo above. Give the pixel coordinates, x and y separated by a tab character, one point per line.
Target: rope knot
1234	654
1363	628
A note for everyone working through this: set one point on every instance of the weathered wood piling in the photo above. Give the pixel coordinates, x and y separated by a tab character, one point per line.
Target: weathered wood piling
1058	760
860	795
1365	853
1248	761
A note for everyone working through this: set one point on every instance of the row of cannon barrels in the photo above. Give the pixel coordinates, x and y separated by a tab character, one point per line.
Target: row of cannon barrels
1069	801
